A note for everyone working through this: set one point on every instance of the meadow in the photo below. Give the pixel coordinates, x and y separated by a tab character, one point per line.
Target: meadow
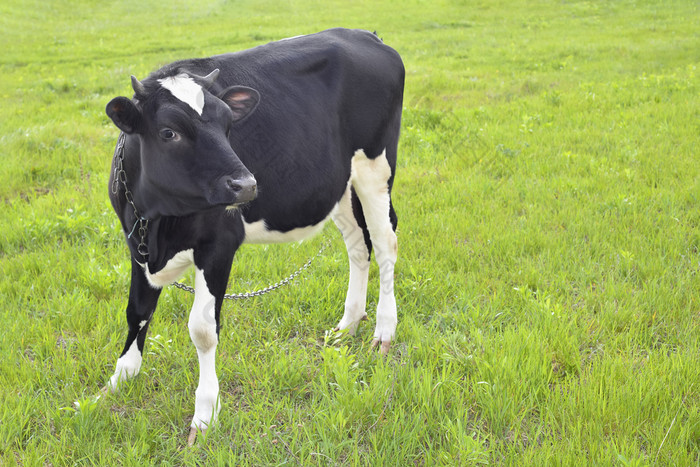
548	283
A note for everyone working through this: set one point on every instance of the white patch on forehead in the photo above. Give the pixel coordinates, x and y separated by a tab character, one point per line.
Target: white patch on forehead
186	89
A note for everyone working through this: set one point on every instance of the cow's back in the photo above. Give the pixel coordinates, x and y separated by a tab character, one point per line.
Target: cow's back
343	74
323	97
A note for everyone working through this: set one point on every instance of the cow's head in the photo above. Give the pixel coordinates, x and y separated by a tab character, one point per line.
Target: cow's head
186	160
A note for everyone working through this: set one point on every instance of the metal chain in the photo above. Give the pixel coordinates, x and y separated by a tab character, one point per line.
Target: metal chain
120	176
257	293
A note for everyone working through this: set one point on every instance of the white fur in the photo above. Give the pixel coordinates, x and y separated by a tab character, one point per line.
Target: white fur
358	256
186	89
202	327
370	179
173	269
128	366
258	232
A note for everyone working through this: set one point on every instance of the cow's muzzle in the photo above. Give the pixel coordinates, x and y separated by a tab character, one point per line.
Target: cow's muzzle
241	190
232	191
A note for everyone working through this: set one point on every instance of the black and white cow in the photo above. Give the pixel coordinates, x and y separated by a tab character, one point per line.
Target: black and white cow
259	146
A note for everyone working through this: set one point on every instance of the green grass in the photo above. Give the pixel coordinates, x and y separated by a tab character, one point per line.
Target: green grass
549	274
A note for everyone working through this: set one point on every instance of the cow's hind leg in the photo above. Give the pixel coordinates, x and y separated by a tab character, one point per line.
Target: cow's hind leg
371	179
350	221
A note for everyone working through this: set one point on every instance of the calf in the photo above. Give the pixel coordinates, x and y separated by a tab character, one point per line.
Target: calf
259	146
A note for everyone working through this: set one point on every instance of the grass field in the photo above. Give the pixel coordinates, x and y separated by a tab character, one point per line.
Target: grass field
548	280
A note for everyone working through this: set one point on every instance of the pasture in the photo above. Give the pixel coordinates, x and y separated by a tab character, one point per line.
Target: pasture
548	282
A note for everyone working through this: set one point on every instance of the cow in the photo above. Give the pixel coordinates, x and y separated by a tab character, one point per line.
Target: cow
258	146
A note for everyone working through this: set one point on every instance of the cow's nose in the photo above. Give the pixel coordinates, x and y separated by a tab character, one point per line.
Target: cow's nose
245	189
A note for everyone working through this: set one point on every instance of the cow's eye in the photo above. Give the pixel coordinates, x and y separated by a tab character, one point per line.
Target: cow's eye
169	135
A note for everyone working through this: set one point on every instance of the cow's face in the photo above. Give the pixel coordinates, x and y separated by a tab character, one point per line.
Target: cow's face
186	160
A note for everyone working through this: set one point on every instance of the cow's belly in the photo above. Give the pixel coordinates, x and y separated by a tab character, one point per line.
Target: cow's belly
259	232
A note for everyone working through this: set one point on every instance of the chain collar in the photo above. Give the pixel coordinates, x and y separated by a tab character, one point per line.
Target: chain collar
120	176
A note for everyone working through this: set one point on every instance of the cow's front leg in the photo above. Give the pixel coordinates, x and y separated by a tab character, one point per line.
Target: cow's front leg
203	327
143	299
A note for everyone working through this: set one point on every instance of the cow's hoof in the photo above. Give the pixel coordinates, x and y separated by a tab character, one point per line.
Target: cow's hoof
383	348
350	327
193	436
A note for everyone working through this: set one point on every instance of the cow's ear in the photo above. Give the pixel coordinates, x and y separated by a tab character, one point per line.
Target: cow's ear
242	100
124	114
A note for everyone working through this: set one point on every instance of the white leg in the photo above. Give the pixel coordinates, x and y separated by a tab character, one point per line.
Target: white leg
370	179
128	366
143	299
202	327
358	256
